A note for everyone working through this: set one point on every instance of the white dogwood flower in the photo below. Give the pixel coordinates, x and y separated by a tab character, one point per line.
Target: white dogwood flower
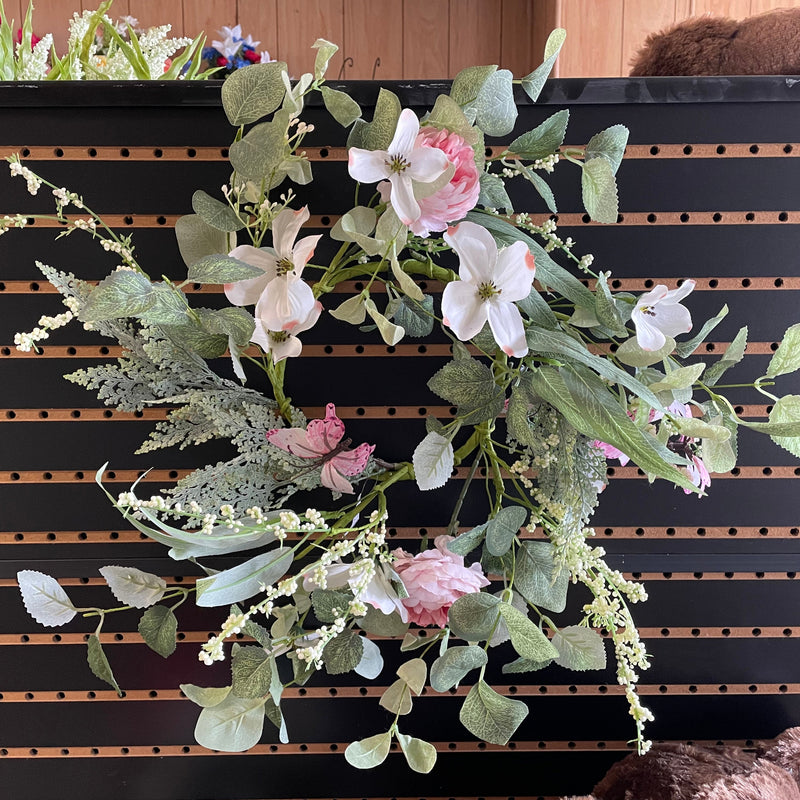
283	344
283	300
491	282
401	164
658	314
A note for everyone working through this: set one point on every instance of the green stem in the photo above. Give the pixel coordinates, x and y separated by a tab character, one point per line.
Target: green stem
453	524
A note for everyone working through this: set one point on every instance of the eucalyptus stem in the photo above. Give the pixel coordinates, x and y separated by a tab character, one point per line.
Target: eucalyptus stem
452	526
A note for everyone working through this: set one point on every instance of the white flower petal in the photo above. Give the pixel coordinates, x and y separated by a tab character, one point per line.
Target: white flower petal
290	347
367	166
402	198
652	297
507	328
285	304
676	295
672	319
405	134
477	252
302	253
514	272
246	293
427	164
648	336
463	310
285	228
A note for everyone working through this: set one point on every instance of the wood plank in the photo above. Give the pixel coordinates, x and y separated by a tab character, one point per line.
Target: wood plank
546	17
209	17
373	39
474	33
259	18
159	12
516	37
300	24
425	55
49	16
642	18
594	38
684	9
760	6
736	9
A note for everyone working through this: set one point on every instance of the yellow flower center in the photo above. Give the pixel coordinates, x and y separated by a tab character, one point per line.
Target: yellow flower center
397	163
283	267
279	336
486	291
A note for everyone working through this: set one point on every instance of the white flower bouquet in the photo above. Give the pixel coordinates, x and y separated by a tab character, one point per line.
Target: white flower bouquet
551	374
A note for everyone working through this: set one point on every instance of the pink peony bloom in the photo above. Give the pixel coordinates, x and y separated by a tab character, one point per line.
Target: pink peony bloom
609	451
434	580
451	202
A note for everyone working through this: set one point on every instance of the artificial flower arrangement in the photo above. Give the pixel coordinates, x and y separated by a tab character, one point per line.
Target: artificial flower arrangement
233	52
97	49
549	377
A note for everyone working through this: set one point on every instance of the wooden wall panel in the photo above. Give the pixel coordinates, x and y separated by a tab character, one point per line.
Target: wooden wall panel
738	9
301	23
373	38
594	38
209	17
259	18
546	17
421	58
517	36
160	12
475	27
640	19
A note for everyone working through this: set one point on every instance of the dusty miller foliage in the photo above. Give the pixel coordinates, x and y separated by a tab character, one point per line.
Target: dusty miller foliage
156	369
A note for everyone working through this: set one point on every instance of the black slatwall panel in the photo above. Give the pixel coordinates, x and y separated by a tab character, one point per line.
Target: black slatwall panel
709	191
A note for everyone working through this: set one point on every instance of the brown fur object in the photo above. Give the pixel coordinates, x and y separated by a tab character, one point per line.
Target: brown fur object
767	44
672	771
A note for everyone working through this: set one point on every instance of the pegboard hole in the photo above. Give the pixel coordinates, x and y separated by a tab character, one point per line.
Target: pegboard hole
778	282
128	220
191	152
750	216
158	152
783	217
721	149
756	631
726	632
652	218
688	150
754	148
124	152
654	150
695	631
787	148
717	217
684	217
722	689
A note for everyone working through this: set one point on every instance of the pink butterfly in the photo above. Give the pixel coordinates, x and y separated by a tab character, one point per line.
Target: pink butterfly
322	441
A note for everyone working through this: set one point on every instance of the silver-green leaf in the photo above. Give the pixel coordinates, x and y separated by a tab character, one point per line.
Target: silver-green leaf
158	627
98	663
44	598
452	666
599	190
490	716
232	726
580	648
251	93
133	587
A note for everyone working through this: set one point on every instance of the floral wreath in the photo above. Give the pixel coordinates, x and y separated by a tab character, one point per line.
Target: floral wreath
548	379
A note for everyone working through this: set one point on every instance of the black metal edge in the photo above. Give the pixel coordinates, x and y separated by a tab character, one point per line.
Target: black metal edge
588	91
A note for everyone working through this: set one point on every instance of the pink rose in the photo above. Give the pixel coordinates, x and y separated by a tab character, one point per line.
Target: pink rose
434	580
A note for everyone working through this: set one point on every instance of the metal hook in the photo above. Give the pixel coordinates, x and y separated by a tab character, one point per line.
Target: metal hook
348	62
375	66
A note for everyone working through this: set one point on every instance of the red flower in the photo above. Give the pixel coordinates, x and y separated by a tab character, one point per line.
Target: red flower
34	38
222	61
252	56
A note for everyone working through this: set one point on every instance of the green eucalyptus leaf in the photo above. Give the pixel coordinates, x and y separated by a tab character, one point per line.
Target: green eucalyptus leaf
599	190
233	725
416	318
495	108
501	529
251	671
526	638
123	293
787	356
453	665
371	663
631	354
533	83
260	153
397	698
380	624
679	378
493	193
158	627
369	752
232	322
699	429
415	674
420	755
720	457
467	86
169	307
467	542
98	663
473	616
220	268
132	587
378	134
197	239
580	648
786	410
344	653
540	184
543	140
325	52
490	716
520	665
340	106
470	385
205	696
535	577
610	144
215	213
251	93
606	308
